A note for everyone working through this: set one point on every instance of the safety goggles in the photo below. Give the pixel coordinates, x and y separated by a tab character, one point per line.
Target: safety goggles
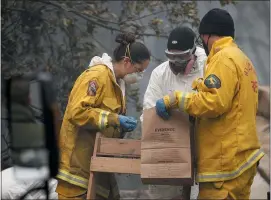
180	57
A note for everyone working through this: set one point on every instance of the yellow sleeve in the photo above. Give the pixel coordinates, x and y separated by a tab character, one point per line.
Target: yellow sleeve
83	105
216	92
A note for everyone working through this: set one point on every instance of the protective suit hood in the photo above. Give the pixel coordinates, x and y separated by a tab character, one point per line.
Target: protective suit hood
163	80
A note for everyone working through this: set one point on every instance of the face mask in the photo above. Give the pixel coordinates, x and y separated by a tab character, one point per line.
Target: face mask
205	46
133	78
184	67
181	62
178	67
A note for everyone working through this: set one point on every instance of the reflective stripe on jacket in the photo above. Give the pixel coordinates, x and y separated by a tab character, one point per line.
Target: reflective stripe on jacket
226	104
94	104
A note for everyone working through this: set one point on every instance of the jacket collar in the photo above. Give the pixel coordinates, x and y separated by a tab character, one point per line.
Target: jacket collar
219	45
106	60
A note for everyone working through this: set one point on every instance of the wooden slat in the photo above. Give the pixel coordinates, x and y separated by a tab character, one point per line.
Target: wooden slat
119	147
97	144
91	194
115	165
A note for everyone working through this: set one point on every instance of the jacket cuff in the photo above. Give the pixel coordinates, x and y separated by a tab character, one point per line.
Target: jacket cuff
196	84
171	100
113	120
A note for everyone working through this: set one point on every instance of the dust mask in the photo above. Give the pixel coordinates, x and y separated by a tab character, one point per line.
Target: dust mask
182	61
133	77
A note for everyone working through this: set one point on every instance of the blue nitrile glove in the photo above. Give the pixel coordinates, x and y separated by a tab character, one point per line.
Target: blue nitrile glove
161	109
127	123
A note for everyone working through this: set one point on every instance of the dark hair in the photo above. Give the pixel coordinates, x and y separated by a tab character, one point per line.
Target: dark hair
138	51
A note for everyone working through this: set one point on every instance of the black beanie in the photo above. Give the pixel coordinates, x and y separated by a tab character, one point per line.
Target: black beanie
218	22
181	38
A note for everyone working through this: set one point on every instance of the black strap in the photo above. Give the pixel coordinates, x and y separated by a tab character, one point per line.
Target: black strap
193	145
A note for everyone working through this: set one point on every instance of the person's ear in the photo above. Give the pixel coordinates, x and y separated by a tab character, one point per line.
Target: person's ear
126	60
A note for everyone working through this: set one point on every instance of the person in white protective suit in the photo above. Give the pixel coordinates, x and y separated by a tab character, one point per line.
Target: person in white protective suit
185	64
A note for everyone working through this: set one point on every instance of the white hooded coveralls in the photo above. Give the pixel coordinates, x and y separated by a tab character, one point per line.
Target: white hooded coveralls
163	81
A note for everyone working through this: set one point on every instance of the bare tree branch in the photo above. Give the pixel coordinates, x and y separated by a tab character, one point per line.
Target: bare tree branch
15	9
144	16
51	44
94	22
11	24
104	47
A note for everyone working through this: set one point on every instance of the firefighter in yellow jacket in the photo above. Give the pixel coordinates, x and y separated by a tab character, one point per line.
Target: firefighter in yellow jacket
225	103
97	103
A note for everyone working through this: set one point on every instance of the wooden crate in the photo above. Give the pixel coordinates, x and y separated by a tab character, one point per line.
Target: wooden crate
113	155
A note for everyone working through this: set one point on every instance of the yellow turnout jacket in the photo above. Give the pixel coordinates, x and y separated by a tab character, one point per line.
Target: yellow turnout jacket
225	104
94	104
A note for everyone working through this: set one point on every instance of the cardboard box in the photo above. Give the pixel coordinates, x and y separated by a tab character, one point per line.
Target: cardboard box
166	157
